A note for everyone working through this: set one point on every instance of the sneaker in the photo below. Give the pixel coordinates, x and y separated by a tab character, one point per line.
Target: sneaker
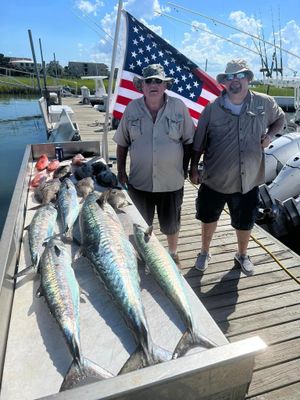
202	261
244	263
176	259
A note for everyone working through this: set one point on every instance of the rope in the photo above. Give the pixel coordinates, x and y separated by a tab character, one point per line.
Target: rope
263	247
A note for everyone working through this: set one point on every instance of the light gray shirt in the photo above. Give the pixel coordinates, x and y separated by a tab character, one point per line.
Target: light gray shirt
233	155
156	148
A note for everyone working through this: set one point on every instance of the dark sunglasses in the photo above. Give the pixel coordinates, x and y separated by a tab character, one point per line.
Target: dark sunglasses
153	80
240	75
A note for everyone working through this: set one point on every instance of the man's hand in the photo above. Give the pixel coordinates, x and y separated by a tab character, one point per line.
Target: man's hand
265	141
123	179
195	177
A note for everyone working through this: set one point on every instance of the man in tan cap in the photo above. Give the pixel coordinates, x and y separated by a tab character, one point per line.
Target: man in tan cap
158	131
232	134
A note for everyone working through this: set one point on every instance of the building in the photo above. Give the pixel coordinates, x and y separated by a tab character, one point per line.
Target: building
87	68
23	64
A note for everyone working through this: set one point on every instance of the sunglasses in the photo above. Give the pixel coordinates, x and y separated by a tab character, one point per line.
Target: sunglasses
240	75
153	80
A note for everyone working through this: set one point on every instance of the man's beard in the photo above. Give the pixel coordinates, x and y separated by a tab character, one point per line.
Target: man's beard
235	89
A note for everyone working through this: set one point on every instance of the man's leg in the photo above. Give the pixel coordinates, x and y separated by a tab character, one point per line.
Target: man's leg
243	238
172	242
208	230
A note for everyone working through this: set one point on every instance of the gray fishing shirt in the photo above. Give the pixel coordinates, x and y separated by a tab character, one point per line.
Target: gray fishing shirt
234	160
156	148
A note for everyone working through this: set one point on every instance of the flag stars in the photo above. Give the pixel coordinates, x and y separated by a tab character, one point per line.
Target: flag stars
147	60
148	48
142	39
135	29
153	57
178	68
171	72
141	51
160	53
154	44
196	84
134	54
131	66
135	42
176	80
139	63
192	95
188	86
190	75
166	62
180	89
184	78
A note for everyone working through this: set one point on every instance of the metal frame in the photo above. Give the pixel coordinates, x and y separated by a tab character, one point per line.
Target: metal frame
221	373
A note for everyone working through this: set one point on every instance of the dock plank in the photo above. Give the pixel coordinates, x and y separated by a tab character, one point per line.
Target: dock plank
266	304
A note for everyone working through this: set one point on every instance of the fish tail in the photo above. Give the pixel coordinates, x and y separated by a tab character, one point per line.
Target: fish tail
189	340
83	373
25	271
141	358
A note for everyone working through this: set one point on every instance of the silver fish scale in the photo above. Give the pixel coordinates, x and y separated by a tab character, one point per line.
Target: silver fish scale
41	227
68	204
114	260
165	272
61	290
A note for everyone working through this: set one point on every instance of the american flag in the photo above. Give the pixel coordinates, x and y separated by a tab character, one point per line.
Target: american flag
143	47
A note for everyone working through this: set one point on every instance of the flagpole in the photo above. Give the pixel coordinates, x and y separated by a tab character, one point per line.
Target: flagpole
105	154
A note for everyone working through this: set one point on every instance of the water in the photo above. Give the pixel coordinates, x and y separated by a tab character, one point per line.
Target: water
21	123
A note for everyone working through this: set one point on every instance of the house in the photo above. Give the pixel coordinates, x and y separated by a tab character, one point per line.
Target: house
78	68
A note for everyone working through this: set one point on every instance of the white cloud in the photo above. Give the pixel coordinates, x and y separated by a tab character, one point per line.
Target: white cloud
89	7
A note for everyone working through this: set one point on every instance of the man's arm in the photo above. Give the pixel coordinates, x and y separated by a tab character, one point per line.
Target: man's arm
194	174
121	165
273	129
187	150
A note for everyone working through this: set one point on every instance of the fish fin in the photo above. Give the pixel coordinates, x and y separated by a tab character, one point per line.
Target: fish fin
140	359
148	233
83	293
39	292
103	198
25	271
81	374
137	360
36	207
190	340
78	254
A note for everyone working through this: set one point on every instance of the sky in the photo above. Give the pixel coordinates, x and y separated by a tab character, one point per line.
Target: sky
210	33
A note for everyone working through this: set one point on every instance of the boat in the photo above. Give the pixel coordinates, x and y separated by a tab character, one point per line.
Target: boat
278	153
58	122
99	99
280	207
31	342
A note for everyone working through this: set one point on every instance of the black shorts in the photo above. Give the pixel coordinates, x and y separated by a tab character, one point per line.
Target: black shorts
243	208
168	206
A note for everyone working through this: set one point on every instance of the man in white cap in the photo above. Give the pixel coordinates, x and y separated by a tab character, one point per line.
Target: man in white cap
158	131
232	134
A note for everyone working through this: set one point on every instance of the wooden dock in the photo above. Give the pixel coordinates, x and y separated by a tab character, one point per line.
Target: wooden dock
266	304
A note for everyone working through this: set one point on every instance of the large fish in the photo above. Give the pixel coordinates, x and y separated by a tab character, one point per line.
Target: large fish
68	205
113	258
166	273
47	191
60	289
40	229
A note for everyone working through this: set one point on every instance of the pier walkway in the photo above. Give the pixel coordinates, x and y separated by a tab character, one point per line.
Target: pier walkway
266	304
